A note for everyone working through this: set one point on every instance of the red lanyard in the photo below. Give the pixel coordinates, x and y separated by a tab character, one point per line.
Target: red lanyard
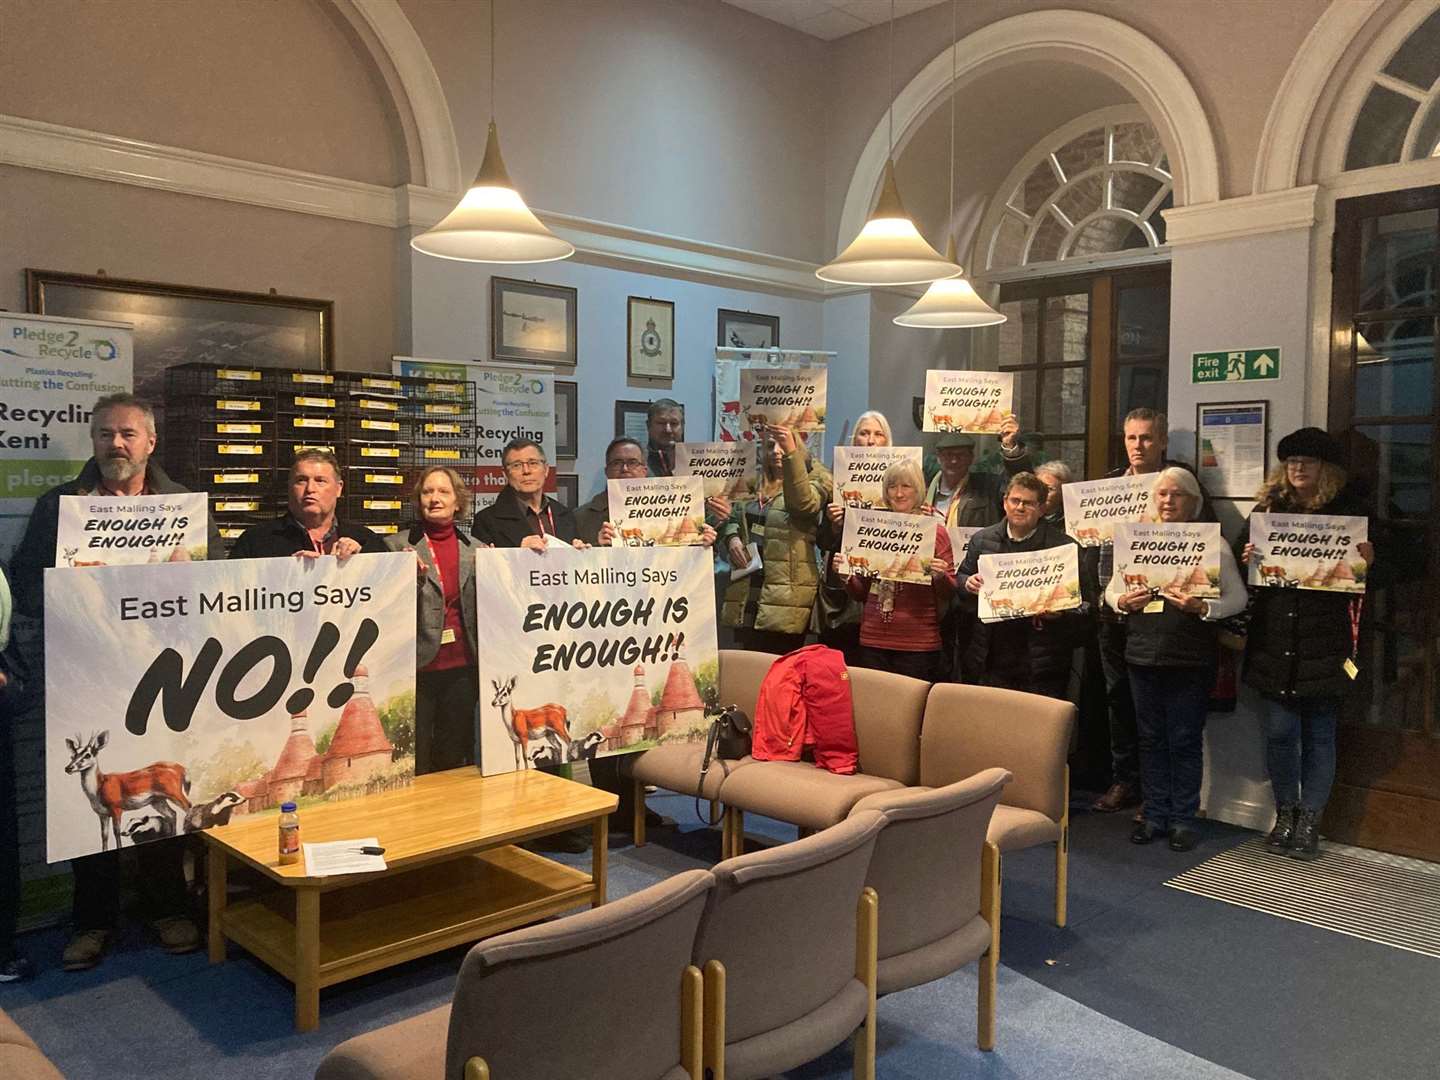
1357	605
540	525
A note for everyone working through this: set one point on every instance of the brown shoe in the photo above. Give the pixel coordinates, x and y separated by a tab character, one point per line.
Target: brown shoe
177	934
85	950
1120	797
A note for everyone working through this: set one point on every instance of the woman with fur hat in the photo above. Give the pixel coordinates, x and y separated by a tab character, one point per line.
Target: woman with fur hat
1298	646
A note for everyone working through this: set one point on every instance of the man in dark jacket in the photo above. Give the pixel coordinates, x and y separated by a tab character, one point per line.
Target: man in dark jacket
122	434
624	460
522	515
664	427
1030	654
309	527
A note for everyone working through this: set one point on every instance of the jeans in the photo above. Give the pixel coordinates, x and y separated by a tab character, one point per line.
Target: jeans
1300	750
9	835
1170	708
160	876
1124	748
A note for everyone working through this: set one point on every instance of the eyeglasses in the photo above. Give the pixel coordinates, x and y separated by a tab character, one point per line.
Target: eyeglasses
625	465
529	465
1020	504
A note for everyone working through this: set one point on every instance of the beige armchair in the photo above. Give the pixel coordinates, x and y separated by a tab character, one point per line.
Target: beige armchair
780	987
632	955
20	1058
938	877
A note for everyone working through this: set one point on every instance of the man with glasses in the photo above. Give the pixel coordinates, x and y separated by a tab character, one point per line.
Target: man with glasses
1030	654
523	516
664	427
624	460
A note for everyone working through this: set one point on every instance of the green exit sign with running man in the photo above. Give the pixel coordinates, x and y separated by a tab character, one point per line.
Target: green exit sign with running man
1236	365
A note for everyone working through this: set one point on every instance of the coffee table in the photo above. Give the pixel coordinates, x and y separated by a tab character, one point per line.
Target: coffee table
453	876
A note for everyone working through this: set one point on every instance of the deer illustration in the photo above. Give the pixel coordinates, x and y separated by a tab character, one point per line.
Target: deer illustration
1136	581
1272	575
1083	534
633	537
162	785
520	724
943	421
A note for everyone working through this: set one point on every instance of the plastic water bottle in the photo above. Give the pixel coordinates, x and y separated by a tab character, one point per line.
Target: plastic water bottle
289	834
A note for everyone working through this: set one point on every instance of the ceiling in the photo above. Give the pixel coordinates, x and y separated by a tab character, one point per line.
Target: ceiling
831	19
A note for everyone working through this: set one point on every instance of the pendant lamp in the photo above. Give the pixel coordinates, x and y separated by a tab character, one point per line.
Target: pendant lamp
492	223
889	249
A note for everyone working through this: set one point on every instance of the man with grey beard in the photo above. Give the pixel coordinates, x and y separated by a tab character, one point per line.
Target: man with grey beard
122	434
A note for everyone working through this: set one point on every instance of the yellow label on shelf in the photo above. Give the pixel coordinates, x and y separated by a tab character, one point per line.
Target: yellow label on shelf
384	530
381	504
237	375
240	448
435	453
314	421
380	425
380	384
442	429
311	377
375	403
380	451
235	477
230	405
237	429
230	533
451	389
314	402
238	504
442	410
384	478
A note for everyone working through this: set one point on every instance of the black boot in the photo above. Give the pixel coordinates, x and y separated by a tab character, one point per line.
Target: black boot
1305	844
1283	834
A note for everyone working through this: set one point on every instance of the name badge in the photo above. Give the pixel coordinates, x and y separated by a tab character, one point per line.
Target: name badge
1350	668
1154	607
447	636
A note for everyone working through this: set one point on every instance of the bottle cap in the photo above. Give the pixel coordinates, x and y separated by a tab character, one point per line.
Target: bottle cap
287	807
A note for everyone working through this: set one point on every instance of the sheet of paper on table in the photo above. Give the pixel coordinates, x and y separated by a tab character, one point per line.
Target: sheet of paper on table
341	857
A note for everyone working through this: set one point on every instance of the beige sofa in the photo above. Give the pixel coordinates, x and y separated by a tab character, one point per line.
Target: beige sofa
20	1058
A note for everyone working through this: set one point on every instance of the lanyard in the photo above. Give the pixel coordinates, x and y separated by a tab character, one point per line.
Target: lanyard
1357	605
318	545
540	524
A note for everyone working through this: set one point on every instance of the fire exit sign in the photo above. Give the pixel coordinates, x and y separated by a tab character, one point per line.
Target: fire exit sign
1235	365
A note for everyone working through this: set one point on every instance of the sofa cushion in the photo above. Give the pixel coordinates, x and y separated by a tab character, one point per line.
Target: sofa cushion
888	711
799	1041
935	960
799	792
677	768
412	1049
1012	828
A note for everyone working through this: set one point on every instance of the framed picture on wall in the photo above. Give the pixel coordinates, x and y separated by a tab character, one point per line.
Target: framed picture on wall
650	338
532	322
746	330
1232	441
567	489
631	420
181	324
567	419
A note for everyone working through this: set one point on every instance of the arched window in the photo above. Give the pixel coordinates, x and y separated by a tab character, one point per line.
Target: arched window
1400	119
1094	193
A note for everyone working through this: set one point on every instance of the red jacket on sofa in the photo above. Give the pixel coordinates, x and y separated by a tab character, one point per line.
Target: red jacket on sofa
805	702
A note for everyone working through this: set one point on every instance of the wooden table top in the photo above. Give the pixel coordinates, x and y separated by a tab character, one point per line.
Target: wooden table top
443	814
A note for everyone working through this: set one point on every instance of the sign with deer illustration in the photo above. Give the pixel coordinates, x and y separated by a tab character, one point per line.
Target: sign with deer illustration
889	546
1179	557
1092	507
973	402
181	694
106	531
593	653
657	510
860	473
1022	584
1308	551
783	397
727	468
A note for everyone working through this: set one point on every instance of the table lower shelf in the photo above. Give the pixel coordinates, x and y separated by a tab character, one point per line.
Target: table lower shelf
378	923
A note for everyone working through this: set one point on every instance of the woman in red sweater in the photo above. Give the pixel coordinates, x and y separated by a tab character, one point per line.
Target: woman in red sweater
446	682
900	626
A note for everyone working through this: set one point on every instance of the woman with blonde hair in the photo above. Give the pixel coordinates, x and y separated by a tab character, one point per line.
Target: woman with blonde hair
446	682
1299	643
900	625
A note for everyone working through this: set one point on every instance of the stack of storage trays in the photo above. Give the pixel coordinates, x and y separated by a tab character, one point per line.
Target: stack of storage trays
444	415
220	437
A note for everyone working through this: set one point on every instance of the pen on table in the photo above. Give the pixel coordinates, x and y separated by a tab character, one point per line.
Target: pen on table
369	849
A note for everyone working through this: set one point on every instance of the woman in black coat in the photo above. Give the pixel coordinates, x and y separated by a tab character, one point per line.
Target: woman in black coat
1299	644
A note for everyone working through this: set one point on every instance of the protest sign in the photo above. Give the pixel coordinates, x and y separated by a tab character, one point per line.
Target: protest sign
1025	583
784	397
111	531
960	539
1179	557
860	472
889	546
974	402
727	468
592	653
1308	551
180	695
650	510
1092	507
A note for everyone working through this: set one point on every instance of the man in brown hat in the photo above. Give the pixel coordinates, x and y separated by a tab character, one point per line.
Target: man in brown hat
974	499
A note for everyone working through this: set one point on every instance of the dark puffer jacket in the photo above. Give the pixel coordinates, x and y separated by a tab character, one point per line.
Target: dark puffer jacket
1299	639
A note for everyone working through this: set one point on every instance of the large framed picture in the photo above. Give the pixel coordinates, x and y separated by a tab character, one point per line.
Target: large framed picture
567	419
1232	445
181	324
650	339
632	420
532	322
746	330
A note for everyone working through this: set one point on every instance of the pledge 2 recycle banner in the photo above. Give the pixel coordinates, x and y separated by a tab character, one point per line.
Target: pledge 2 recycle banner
666	510
102	531
860	472
590	653
178	696
1180	557
1025	583
1092	507
1308	551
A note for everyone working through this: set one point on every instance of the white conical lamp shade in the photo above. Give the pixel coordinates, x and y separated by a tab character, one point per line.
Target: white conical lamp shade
492	222
889	249
951	304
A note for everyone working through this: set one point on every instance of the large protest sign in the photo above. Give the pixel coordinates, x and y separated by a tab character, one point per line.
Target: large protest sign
1308	551
1021	584
1092	507
108	531
860	472
975	402
889	546
784	397
1179	557
960	539
591	653
180	695
728	468
650	510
